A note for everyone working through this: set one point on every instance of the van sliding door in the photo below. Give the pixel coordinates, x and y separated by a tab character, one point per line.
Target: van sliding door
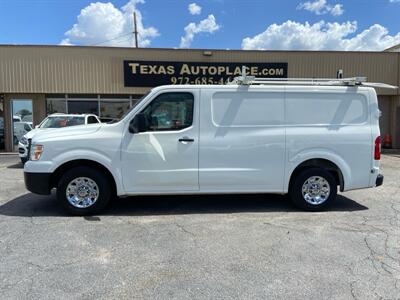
242	140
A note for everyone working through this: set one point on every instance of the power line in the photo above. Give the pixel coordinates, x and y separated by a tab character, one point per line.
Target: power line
113	39
135	34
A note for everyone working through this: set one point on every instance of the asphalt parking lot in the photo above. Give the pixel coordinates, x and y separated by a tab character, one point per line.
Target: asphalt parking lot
208	247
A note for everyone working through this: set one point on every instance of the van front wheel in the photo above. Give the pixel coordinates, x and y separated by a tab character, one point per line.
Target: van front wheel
313	189
83	191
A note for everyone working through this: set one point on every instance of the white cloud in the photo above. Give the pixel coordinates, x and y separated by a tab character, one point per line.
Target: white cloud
194	9
65	42
103	24
208	25
291	35
321	7
337	10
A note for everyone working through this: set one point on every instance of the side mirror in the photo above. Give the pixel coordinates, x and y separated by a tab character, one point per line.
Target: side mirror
138	124
37	126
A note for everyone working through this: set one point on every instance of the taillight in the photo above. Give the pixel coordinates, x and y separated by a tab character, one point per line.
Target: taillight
377	152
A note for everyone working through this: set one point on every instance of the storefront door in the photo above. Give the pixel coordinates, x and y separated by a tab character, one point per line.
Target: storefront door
22	121
2	131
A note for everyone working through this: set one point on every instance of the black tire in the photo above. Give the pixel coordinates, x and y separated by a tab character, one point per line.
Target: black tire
24	160
295	190
104	193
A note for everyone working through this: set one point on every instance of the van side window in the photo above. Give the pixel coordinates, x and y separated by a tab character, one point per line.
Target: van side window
170	111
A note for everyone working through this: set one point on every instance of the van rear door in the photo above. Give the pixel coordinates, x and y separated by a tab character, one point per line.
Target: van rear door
242	139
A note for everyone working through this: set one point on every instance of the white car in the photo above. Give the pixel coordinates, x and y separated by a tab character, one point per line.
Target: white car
51	122
306	139
20	129
17	118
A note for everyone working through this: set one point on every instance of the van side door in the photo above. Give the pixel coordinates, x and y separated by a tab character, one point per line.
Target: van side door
242	139
165	156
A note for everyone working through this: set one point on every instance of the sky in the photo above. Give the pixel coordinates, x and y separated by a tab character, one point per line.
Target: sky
346	25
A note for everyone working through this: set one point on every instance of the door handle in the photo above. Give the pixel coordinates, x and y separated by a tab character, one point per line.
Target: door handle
186	139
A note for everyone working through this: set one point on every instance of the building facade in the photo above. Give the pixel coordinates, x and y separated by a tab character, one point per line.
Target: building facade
38	80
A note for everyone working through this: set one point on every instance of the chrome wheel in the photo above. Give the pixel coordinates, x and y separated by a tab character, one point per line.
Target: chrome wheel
82	192
316	190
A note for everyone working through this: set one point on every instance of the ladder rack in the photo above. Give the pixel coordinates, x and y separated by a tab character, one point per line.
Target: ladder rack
352	81
251	80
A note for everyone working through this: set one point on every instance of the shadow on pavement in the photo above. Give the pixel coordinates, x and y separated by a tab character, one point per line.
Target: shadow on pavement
31	205
16	166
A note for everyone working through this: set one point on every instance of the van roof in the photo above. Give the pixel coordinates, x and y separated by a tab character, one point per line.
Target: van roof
304	83
265	87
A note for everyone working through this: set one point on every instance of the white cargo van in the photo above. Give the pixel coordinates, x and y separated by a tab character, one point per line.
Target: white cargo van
304	138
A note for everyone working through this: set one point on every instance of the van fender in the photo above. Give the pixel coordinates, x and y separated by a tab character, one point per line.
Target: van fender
98	157
296	159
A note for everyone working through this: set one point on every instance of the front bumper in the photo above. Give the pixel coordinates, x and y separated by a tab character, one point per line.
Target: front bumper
379	180
38	183
22	150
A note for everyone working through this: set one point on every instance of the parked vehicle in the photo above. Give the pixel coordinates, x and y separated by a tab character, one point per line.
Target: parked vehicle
20	129
53	121
17	118
28	119
2	133
303	138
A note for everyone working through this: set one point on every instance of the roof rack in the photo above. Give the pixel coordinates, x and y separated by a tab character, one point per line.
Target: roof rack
251	80
352	81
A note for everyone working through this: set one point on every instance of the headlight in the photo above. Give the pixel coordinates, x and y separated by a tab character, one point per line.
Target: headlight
23	141
36	151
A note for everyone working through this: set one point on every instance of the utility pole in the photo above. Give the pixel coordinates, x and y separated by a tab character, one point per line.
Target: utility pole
135	31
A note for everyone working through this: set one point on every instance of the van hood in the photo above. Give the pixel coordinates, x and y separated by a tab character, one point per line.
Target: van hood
59	133
31	133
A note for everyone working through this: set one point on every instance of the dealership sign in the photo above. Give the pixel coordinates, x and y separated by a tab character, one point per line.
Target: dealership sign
152	73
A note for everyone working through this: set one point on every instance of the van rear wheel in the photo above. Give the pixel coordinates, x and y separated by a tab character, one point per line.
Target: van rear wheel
313	189
83	191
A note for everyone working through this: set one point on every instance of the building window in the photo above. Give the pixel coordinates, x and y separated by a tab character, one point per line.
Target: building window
113	109
106	107
56	106
83	107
